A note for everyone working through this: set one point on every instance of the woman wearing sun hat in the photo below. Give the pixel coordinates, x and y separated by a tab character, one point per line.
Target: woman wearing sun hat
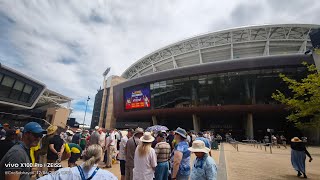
145	159
204	167
298	156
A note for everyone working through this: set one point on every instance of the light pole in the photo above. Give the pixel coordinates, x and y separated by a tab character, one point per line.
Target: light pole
85	112
103	102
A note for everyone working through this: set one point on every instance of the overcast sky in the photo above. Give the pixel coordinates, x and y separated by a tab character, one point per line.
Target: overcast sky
67	44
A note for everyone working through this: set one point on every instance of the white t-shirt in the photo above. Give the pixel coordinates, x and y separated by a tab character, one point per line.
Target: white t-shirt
112	139
143	166
73	173
102	139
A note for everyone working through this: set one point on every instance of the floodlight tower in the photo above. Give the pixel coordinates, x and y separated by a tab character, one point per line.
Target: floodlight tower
103	102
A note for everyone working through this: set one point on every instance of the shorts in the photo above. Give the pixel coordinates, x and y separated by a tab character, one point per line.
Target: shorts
74	157
123	167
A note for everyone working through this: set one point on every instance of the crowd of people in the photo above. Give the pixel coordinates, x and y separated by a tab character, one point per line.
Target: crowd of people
32	151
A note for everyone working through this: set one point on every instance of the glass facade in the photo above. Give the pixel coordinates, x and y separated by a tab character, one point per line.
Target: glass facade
15	91
231	88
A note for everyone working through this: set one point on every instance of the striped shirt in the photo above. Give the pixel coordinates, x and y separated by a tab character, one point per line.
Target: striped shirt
163	151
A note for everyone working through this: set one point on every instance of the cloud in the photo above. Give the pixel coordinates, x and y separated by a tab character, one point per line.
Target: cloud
67	45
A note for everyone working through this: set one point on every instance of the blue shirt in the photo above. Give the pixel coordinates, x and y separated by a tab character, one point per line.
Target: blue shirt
204	169
184	168
205	140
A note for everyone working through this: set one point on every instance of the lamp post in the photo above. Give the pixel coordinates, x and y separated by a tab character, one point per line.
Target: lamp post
103	102
85	112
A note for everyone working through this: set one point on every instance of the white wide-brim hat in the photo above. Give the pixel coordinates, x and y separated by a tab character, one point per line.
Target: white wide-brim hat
147	137
96	128
198	146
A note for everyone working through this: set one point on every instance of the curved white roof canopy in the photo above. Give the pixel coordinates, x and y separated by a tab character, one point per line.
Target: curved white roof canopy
244	42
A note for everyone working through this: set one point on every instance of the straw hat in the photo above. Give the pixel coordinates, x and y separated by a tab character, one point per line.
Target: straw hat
147	137
51	129
296	139
198	146
96	128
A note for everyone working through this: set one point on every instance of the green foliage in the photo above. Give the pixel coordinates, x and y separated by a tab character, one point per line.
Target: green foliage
304	102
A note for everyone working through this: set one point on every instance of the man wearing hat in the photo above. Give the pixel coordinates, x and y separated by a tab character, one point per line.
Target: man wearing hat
6	144
204	166
130	149
19	153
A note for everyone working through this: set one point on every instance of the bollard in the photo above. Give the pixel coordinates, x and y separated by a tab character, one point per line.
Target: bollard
260	146
270	150
238	147
265	148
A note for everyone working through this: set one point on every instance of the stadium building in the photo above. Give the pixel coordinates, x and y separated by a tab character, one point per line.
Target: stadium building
221	81
24	99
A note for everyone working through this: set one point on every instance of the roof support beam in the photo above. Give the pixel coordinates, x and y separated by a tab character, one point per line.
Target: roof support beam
174	63
199	51
200	57
231	46
266	49
154	69
303	47
287	35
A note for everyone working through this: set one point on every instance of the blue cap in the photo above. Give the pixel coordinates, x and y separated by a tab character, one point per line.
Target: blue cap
34	128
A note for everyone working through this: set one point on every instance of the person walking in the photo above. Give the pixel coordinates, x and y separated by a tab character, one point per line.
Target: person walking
87	170
122	153
130	149
20	153
298	156
180	157
162	150
204	167
145	159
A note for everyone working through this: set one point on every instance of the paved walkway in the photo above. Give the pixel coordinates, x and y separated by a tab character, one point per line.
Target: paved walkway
252	163
256	163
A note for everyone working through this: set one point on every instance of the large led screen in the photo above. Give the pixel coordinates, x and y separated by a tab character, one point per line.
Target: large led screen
137	98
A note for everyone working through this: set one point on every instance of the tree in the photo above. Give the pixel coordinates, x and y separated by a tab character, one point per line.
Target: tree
304	99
